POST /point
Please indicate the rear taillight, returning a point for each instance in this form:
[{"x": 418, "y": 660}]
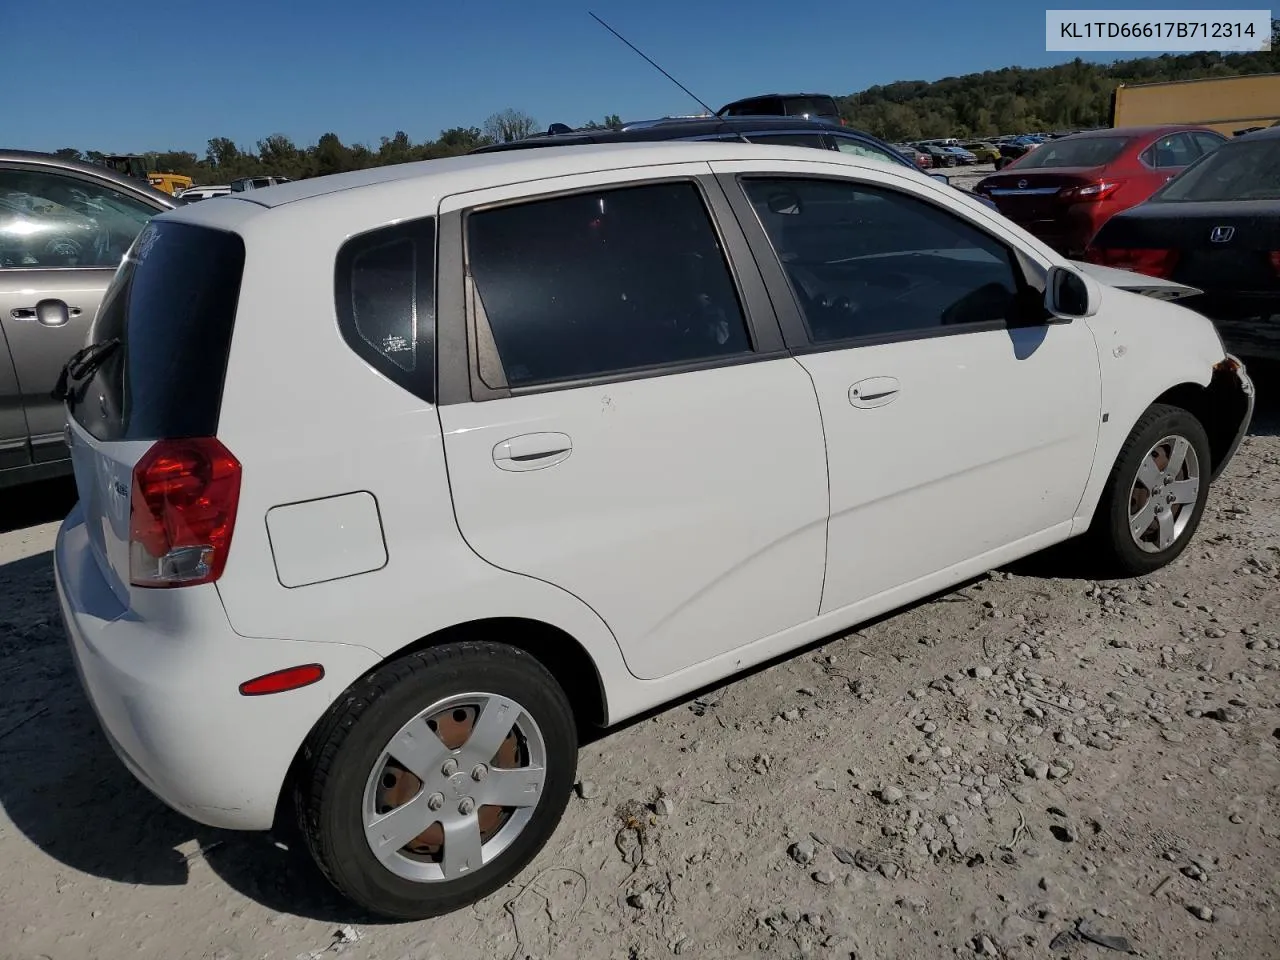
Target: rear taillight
[
  {"x": 1275, "y": 261},
  {"x": 1091, "y": 192},
  {"x": 182, "y": 512},
  {"x": 1152, "y": 263}
]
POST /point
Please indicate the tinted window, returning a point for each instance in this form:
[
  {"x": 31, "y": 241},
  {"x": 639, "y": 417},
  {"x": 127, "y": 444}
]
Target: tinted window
[
  {"x": 1086, "y": 152},
  {"x": 1175, "y": 150},
  {"x": 866, "y": 262},
  {"x": 790, "y": 139},
  {"x": 1207, "y": 142},
  {"x": 385, "y": 292},
  {"x": 53, "y": 220},
  {"x": 755, "y": 108},
  {"x": 860, "y": 148},
  {"x": 812, "y": 107},
  {"x": 172, "y": 305},
  {"x": 1241, "y": 170},
  {"x": 604, "y": 282}
]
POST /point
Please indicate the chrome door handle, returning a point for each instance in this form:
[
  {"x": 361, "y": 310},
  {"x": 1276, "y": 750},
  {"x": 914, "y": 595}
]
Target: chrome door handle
[
  {"x": 48, "y": 313},
  {"x": 532, "y": 451},
  {"x": 874, "y": 392}
]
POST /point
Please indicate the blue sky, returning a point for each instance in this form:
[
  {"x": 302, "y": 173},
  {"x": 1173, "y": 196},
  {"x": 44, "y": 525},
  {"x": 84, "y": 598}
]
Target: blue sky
[{"x": 168, "y": 75}]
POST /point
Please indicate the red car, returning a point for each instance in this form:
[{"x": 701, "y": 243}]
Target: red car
[{"x": 1066, "y": 189}]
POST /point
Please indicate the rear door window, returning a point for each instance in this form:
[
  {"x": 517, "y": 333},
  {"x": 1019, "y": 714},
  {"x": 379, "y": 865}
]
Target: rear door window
[
  {"x": 612, "y": 281},
  {"x": 1175, "y": 150},
  {"x": 171, "y": 307}
]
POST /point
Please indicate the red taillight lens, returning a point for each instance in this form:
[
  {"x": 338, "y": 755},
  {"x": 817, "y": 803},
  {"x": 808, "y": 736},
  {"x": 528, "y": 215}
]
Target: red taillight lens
[
  {"x": 282, "y": 680},
  {"x": 182, "y": 512},
  {"x": 1091, "y": 192},
  {"x": 1153, "y": 263},
  {"x": 1275, "y": 260}
]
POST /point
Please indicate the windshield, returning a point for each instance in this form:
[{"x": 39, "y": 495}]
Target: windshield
[
  {"x": 1086, "y": 152},
  {"x": 1243, "y": 170}
]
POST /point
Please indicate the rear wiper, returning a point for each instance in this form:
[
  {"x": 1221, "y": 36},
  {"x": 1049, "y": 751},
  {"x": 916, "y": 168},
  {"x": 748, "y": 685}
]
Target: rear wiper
[{"x": 82, "y": 364}]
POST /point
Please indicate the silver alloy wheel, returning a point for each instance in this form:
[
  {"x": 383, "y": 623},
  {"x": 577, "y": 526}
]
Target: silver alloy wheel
[
  {"x": 454, "y": 787},
  {"x": 1164, "y": 493}
]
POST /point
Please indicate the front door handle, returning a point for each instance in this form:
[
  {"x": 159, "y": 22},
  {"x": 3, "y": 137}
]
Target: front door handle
[
  {"x": 874, "y": 392},
  {"x": 532, "y": 451}
]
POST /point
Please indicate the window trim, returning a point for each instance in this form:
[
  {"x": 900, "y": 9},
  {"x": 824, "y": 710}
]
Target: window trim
[
  {"x": 1028, "y": 276},
  {"x": 78, "y": 175},
  {"x": 422, "y": 380},
  {"x": 465, "y": 341}
]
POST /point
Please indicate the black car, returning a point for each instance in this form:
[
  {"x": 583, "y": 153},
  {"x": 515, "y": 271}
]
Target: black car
[
  {"x": 807, "y": 106},
  {"x": 788, "y": 131},
  {"x": 1215, "y": 227}
]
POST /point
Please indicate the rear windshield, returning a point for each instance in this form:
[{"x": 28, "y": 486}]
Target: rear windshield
[
  {"x": 172, "y": 306},
  {"x": 812, "y": 106},
  {"x": 1243, "y": 170},
  {"x": 1086, "y": 152}
]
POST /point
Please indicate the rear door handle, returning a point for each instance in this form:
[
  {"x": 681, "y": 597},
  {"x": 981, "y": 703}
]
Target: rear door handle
[
  {"x": 532, "y": 451},
  {"x": 874, "y": 392},
  {"x": 50, "y": 313}
]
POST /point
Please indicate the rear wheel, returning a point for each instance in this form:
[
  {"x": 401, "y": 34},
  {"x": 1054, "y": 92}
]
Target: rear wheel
[
  {"x": 436, "y": 779},
  {"x": 1156, "y": 493}
]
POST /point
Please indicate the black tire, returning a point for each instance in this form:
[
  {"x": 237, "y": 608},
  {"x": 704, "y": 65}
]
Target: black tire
[
  {"x": 1114, "y": 549},
  {"x": 339, "y": 756}
]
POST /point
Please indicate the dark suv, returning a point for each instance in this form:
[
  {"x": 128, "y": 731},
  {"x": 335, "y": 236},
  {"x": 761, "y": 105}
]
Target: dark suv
[
  {"x": 808, "y": 106},
  {"x": 788, "y": 131}
]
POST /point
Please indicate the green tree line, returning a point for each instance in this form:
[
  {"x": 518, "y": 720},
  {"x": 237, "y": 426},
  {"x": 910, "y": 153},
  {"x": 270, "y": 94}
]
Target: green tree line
[{"x": 1071, "y": 96}]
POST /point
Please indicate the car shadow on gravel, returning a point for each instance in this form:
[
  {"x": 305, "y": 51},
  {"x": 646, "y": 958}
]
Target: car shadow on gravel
[{"x": 64, "y": 790}]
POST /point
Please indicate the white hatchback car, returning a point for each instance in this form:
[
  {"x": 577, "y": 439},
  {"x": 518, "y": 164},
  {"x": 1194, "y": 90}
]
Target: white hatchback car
[{"x": 391, "y": 480}]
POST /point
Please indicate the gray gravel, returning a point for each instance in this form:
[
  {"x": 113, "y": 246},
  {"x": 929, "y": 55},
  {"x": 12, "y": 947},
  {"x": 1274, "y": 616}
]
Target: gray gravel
[{"x": 1082, "y": 793}]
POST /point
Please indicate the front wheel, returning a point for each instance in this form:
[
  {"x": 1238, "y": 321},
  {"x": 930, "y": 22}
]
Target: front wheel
[
  {"x": 437, "y": 778},
  {"x": 1156, "y": 493}
]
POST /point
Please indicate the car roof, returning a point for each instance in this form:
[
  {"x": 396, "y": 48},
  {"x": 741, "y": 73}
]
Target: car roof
[
  {"x": 479, "y": 171},
  {"x": 678, "y": 128},
  {"x": 91, "y": 169},
  {"x": 1153, "y": 130}
]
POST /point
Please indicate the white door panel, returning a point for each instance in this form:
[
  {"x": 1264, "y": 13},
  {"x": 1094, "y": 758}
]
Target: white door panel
[
  {"x": 981, "y": 439},
  {"x": 689, "y": 511}
]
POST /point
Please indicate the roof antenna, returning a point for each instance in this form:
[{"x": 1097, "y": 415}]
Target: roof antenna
[{"x": 691, "y": 94}]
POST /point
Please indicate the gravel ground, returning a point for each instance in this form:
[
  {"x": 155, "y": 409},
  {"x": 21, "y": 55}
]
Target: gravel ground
[{"x": 1028, "y": 767}]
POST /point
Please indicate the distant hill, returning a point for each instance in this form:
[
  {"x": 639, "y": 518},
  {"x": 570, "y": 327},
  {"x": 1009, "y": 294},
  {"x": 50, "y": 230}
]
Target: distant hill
[{"x": 1073, "y": 96}]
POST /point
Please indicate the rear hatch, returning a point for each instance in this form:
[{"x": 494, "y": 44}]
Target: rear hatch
[
  {"x": 153, "y": 370},
  {"x": 1028, "y": 196}
]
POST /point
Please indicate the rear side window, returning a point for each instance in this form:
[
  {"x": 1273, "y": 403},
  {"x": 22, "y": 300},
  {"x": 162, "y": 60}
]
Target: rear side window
[
  {"x": 172, "y": 307},
  {"x": 385, "y": 292},
  {"x": 601, "y": 283}
]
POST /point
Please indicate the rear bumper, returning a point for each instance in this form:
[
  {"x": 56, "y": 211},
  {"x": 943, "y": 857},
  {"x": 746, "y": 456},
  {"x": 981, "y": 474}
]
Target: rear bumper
[{"x": 166, "y": 692}]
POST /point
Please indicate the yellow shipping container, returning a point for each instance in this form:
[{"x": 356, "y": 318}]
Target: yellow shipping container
[{"x": 1226, "y": 104}]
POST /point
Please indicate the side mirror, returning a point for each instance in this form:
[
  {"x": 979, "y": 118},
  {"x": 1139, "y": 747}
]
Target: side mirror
[
  {"x": 941, "y": 176},
  {"x": 1069, "y": 295}
]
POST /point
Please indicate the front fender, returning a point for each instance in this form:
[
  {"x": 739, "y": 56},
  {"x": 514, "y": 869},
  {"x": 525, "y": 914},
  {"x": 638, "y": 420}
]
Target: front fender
[{"x": 1146, "y": 348}]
